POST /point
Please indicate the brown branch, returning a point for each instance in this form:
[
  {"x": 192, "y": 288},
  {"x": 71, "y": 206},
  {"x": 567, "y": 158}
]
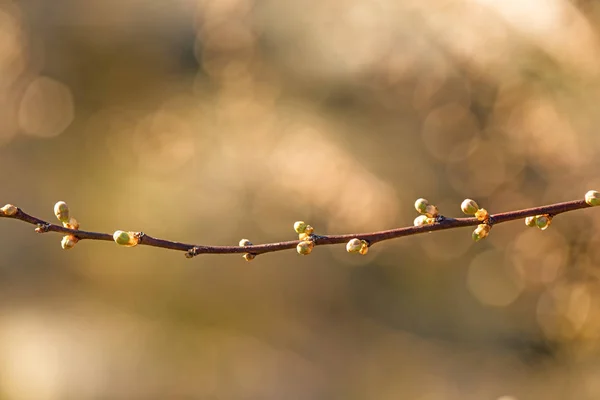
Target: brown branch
[{"x": 442, "y": 223}]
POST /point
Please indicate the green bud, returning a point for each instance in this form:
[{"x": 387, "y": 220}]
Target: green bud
[
  {"x": 592, "y": 198},
  {"x": 68, "y": 242},
  {"x": 305, "y": 247},
  {"x": 421, "y": 205},
  {"x": 469, "y": 207},
  {"x": 421, "y": 220},
  {"x": 61, "y": 210},
  {"x": 125, "y": 238},
  {"x": 245, "y": 242},
  {"x": 543, "y": 221},
  {"x": 300, "y": 226},
  {"x": 530, "y": 222},
  {"x": 481, "y": 232},
  {"x": 354, "y": 246}
]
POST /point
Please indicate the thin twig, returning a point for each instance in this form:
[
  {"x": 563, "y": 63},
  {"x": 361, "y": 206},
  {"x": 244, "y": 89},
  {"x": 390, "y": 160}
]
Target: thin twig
[{"x": 442, "y": 223}]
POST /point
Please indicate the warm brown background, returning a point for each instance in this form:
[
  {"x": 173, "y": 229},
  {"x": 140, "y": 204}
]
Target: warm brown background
[{"x": 211, "y": 120}]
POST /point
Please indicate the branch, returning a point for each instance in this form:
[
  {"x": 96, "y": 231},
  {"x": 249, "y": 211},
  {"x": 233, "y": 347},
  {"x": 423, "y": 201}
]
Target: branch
[{"x": 434, "y": 222}]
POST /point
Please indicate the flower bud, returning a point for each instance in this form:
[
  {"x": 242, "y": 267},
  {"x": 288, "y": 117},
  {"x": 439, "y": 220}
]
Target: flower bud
[
  {"x": 309, "y": 230},
  {"x": 249, "y": 256},
  {"x": 72, "y": 224},
  {"x": 354, "y": 245},
  {"x": 421, "y": 205},
  {"x": 128, "y": 239},
  {"x": 469, "y": 206},
  {"x": 304, "y": 236},
  {"x": 61, "y": 210},
  {"x": 481, "y": 232},
  {"x": 68, "y": 242},
  {"x": 482, "y": 214},
  {"x": 245, "y": 242},
  {"x": 592, "y": 198},
  {"x": 300, "y": 226},
  {"x": 530, "y": 222},
  {"x": 9, "y": 210},
  {"x": 305, "y": 247},
  {"x": 421, "y": 220},
  {"x": 543, "y": 221}
]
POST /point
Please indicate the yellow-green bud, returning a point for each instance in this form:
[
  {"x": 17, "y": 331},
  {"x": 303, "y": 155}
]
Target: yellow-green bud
[
  {"x": 9, "y": 210},
  {"x": 61, "y": 210},
  {"x": 469, "y": 206},
  {"x": 305, "y": 247},
  {"x": 354, "y": 246},
  {"x": 300, "y": 226},
  {"x": 245, "y": 242},
  {"x": 481, "y": 232},
  {"x": 68, "y": 242},
  {"x": 592, "y": 198},
  {"x": 421, "y": 205},
  {"x": 309, "y": 230},
  {"x": 421, "y": 220},
  {"x": 123, "y": 238},
  {"x": 482, "y": 214},
  {"x": 530, "y": 222},
  {"x": 249, "y": 257},
  {"x": 543, "y": 221}
]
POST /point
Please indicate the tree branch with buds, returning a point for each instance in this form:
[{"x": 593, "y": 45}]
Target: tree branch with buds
[{"x": 429, "y": 220}]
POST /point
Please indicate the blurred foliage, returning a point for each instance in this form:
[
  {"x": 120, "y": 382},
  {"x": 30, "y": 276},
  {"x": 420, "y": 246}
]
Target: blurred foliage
[{"x": 211, "y": 120}]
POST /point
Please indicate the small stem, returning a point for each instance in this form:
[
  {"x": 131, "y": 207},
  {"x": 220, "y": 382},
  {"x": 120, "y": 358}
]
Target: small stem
[{"x": 371, "y": 237}]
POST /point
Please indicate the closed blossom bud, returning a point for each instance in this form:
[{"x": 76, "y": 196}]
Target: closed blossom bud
[
  {"x": 482, "y": 214},
  {"x": 249, "y": 257},
  {"x": 469, "y": 206},
  {"x": 9, "y": 210},
  {"x": 354, "y": 246},
  {"x": 421, "y": 205},
  {"x": 300, "y": 226},
  {"x": 305, "y": 247},
  {"x": 72, "y": 224},
  {"x": 592, "y": 198},
  {"x": 309, "y": 230},
  {"x": 543, "y": 221},
  {"x": 128, "y": 239},
  {"x": 68, "y": 242},
  {"x": 530, "y": 222},
  {"x": 481, "y": 232},
  {"x": 421, "y": 220},
  {"x": 245, "y": 242},
  {"x": 61, "y": 210}
]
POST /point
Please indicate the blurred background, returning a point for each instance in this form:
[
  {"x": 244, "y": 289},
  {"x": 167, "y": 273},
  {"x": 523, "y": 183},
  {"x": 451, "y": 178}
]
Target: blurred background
[{"x": 207, "y": 121}]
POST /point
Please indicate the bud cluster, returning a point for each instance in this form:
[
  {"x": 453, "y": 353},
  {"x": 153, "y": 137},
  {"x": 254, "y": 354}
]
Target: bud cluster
[
  {"x": 540, "y": 221},
  {"x": 62, "y": 213},
  {"x": 357, "y": 246},
  {"x": 247, "y": 256},
  {"x": 304, "y": 232},
  {"x": 470, "y": 207}
]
